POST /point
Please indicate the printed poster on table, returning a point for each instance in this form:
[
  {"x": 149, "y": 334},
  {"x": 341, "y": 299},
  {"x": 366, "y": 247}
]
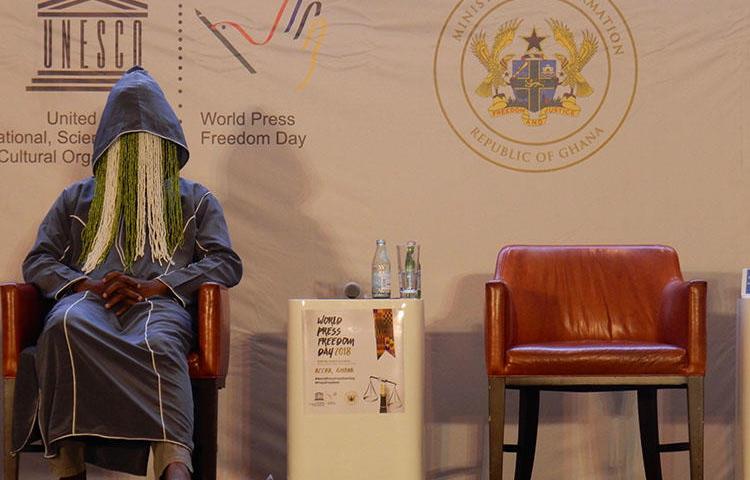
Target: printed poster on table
[{"x": 354, "y": 361}]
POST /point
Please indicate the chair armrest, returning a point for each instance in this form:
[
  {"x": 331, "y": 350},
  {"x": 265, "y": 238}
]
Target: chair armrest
[
  {"x": 496, "y": 320},
  {"x": 22, "y": 309},
  {"x": 683, "y": 320},
  {"x": 212, "y": 359}
]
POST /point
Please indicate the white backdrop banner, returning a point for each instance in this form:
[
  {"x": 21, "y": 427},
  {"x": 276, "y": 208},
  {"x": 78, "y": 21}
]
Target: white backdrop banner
[{"x": 463, "y": 124}]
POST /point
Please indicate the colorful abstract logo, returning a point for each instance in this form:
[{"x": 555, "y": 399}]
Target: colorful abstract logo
[{"x": 304, "y": 22}]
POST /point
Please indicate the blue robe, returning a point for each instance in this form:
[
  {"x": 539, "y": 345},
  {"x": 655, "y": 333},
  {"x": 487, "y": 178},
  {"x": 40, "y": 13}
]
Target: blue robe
[
  {"x": 120, "y": 378},
  {"x": 118, "y": 383}
]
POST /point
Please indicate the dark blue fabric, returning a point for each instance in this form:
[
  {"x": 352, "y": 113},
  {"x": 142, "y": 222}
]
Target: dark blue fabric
[
  {"x": 137, "y": 104},
  {"x": 119, "y": 383},
  {"x": 126, "y": 378}
]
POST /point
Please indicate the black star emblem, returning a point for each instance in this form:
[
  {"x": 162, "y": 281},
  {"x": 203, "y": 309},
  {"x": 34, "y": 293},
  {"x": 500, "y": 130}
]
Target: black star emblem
[{"x": 534, "y": 40}]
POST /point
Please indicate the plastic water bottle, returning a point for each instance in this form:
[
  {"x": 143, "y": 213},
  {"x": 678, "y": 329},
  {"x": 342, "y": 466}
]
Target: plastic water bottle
[{"x": 381, "y": 272}]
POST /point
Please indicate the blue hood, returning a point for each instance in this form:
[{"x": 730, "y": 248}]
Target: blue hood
[{"x": 136, "y": 103}]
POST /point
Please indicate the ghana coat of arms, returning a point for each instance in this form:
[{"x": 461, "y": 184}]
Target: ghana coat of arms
[{"x": 530, "y": 84}]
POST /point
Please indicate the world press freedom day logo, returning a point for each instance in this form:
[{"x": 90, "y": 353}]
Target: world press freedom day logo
[
  {"x": 303, "y": 18},
  {"x": 87, "y": 44},
  {"x": 535, "y": 85}
]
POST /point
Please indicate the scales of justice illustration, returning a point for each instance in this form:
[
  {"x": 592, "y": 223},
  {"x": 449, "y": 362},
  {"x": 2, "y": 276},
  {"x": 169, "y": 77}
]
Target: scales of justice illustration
[{"x": 390, "y": 388}]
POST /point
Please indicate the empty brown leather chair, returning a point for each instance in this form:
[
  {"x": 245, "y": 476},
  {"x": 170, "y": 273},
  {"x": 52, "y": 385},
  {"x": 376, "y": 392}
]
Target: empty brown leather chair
[
  {"x": 22, "y": 318},
  {"x": 593, "y": 318}
]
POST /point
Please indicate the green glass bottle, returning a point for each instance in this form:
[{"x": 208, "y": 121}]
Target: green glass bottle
[{"x": 409, "y": 287}]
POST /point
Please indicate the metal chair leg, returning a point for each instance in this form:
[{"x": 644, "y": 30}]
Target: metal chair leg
[
  {"x": 528, "y": 422},
  {"x": 648, "y": 421},
  {"x": 695, "y": 426},
  {"x": 10, "y": 462},
  {"x": 497, "y": 426}
]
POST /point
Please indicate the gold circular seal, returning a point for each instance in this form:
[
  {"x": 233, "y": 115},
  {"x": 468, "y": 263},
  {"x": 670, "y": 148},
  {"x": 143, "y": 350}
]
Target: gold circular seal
[{"x": 535, "y": 85}]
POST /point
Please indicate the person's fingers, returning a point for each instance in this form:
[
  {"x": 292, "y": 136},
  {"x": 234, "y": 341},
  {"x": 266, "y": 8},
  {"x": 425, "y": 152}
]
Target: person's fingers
[
  {"x": 115, "y": 277},
  {"x": 115, "y": 300},
  {"x": 111, "y": 288},
  {"x": 129, "y": 280},
  {"x": 132, "y": 294},
  {"x": 111, "y": 276},
  {"x": 119, "y": 287},
  {"x": 128, "y": 293}
]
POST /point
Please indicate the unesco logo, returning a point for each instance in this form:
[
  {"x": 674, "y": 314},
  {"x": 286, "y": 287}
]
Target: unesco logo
[
  {"x": 87, "y": 44},
  {"x": 535, "y": 85}
]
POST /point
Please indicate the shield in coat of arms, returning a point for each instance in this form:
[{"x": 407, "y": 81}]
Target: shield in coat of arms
[{"x": 534, "y": 82}]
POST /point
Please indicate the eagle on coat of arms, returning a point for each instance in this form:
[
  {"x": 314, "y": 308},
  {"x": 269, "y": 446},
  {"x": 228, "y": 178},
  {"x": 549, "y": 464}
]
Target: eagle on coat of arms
[
  {"x": 497, "y": 66},
  {"x": 579, "y": 57}
]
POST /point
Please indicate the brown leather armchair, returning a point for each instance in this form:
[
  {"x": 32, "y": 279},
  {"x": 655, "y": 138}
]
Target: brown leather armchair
[
  {"x": 593, "y": 318},
  {"x": 22, "y": 319}
]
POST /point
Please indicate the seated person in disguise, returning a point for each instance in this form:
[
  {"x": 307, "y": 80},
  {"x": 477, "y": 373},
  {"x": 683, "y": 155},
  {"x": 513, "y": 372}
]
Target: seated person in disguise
[{"x": 122, "y": 253}]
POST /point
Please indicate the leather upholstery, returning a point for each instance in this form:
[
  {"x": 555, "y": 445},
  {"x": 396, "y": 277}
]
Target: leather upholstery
[
  {"x": 594, "y": 358},
  {"x": 593, "y": 310},
  {"x": 22, "y": 308},
  {"x": 211, "y": 360},
  {"x": 22, "y": 318}
]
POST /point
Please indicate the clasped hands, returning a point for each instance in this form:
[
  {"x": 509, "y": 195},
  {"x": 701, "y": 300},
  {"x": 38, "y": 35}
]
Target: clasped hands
[{"x": 121, "y": 291}]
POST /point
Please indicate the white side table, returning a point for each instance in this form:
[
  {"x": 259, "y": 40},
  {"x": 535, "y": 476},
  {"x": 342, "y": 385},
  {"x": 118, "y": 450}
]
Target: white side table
[{"x": 335, "y": 445}]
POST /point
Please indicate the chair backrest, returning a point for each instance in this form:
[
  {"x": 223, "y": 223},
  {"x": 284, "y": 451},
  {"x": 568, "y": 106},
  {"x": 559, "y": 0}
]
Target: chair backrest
[{"x": 578, "y": 293}]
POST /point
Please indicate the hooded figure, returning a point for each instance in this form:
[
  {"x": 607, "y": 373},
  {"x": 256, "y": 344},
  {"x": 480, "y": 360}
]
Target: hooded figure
[{"x": 122, "y": 254}]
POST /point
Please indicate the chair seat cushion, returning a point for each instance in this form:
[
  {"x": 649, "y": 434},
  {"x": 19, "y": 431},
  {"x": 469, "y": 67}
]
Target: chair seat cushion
[{"x": 596, "y": 358}]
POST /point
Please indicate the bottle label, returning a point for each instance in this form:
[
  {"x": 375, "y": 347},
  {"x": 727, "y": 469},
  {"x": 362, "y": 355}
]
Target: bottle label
[{"x": 381, "y": 284}]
